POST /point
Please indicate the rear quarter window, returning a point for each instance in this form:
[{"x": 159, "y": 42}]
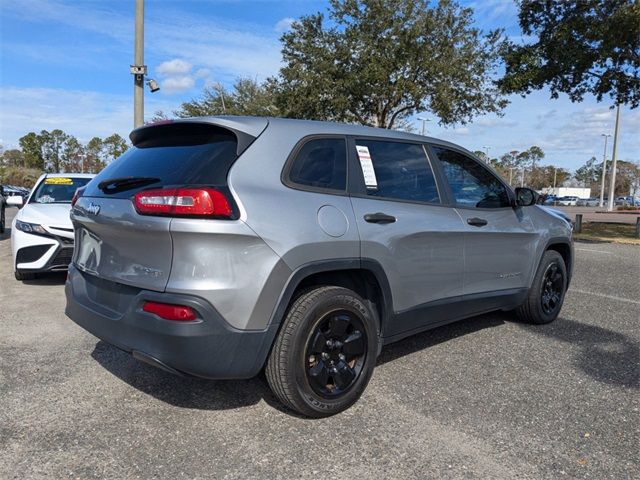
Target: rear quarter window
[{"x": 320, "y": 163}]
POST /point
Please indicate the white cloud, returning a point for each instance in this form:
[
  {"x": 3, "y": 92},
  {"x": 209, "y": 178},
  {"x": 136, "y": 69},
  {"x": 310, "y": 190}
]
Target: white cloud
[
  {"x": 202, "y": 73},
  {"x": 174, "y": 67},
  {"x": 177, "y": 84},
  {"x": 284, "y": 24},
  {"x": 84, "y": 114}
]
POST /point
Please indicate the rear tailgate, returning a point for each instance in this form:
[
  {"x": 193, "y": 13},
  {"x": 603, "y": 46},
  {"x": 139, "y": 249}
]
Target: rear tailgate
[{"x": 114, "y": 241}]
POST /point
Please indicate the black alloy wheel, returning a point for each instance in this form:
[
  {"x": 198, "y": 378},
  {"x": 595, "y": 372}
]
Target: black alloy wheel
[
  {"x": 552, "y": 289},
  {"x": 336, "y": 353}
]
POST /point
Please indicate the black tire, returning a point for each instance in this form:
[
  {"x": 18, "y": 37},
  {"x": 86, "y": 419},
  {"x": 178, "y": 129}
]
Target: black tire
[
  {"x": 547, "y": 292},
  {"x": 342, "y": 323},
  {"x": 2, "y": 219},
  {"x": 21, "y": 276}
]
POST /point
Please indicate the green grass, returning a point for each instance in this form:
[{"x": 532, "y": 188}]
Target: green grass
[{"x": 608, "y": 232}]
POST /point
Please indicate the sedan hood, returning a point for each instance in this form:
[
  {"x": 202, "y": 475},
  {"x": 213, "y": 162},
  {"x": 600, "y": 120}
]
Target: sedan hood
[{"x": 47, "y": 214}]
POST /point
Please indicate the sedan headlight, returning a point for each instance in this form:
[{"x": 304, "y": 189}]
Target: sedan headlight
[{"x": 30, "y": 228}]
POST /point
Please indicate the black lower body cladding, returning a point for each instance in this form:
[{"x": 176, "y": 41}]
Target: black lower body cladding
[{"x": 208, "y": 348}]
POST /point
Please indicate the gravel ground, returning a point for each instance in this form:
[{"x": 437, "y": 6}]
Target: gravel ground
[{"x": 484, "y": 398}]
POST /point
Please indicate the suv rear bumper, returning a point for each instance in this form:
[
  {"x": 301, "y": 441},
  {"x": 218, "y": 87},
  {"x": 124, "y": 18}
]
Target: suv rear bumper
[{"x": 208, "y": 347}]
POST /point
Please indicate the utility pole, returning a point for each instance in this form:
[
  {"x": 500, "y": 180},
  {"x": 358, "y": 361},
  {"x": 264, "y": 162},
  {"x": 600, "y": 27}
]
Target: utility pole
[
  {"x": 614, "y": 159},
  {"x": 424, "y": 121},
  {"x": 139, "y": 69},
  {"x": 555, "y": 171},
  {"x": 522, "y": 178},
  {"x": 604, "y": 168},
  {"x": 486, "y": 151},
  {"x": 511, "y": 175}
]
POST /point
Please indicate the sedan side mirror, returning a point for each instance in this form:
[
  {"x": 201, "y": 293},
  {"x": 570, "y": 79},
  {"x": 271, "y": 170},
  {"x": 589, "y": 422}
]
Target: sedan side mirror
[
  {"x": 525, "y": 197},
  {"x": 15, "y": 201}
]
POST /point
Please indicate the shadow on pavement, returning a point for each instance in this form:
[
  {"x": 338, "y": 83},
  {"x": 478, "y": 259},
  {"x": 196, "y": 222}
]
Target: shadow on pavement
[
  {"x": 6, "y": 235},
  {"x": 442, "y": 334},
  {"x": 607, "y": 356},
  {"x": 184, "y": 392}
]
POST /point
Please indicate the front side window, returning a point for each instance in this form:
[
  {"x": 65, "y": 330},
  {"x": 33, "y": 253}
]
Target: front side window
[
  {"x": 321, "y": 163},
  {"x": 472, "y": 185},
  {"x": 397, "y": 170}
]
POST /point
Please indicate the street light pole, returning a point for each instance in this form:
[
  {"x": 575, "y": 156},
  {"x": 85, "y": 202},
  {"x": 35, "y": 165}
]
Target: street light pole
[
  {"x": 139, "y": 70},
  {"x": 614, "y": 159},
  {"x": 604, "y": 168},
  {"x": 424, "y": 121}
]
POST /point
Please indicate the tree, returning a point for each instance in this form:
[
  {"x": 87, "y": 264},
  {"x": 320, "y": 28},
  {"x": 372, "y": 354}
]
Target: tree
[
  {"x": 94, "y": 155},
  {"x": 589, "y": 174},
  {"x": 31, "y": 145},
  {"x": 581, "y": 47},
  {"x": 114, "y": 146},
  {"x": 247, "y": 97},
  {"x": 378, "y": 62},
  {"x": 52, "y": 147},
  {"x": 12, "y": 158},
  {"x": 627, "y": 178},
  {"x": 73, "y": 156}
]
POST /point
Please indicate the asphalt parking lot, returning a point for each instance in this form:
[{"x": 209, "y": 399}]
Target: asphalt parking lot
[{"x": 484, "y": 398}]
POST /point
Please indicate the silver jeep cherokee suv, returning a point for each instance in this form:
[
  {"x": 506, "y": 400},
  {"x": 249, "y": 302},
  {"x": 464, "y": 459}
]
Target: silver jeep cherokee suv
[{"x": 221, "y": 246}]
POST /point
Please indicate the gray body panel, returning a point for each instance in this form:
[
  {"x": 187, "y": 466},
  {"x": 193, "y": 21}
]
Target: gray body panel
[
  {"x": 432, "y": 266},
  {"x": 422, "y": 252}
]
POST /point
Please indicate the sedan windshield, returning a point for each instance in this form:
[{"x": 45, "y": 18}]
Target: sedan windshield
[{"x": 57, "y": 189}]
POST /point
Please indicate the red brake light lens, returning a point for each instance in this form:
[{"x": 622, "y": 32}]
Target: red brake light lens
[
  {"x": 206, "y": 202},
  {"x": 77, "y": 195},
  {"x": 168, "y": 311}
]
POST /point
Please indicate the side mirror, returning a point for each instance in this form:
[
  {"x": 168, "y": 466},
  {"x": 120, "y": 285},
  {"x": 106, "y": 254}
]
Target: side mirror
[
  {"x": 15, "y": 201},
  {"x": 525, "y": 197}
]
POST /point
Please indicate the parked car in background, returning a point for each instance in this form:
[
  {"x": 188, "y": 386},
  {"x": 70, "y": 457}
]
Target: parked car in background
[
  {"x": 588, "y": 202},
  {"x": 3, "y": 205},
  {"x": 567, "y": 201},
  {"x": 550, "y": 200},
  {"x": 221, "y": 246},
  {"x": 41, "y": 232}
]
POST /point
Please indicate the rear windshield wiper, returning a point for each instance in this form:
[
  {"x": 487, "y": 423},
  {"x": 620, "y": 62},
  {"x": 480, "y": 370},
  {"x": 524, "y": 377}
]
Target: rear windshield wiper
[{"x": 114, "y": 185}]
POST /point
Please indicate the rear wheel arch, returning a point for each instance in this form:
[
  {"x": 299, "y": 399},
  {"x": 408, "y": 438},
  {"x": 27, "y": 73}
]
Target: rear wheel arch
[{"x": 366, "y": 277}]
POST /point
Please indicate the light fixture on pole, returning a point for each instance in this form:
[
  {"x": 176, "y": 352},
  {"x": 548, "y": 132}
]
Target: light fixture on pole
[
  {"x": 424, "y": 120},
  {"x": 604, "y": 168}
]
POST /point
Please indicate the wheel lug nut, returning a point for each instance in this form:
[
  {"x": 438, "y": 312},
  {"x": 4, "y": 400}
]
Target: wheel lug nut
[{"x": 341, "y": 356}]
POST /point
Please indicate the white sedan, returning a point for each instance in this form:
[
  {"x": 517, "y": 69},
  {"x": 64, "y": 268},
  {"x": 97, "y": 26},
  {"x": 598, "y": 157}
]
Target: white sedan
[{"x": 41, "y": 232}]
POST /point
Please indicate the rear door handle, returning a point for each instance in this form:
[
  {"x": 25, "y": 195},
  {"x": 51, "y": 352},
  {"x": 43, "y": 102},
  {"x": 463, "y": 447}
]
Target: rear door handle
[
  {"x": 379, "y": 218},
  {"x": 477, "y": 222}
]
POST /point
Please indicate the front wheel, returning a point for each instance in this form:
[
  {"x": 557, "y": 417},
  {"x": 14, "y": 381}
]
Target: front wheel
[
  {"x": 325, "y": 353},
  {"x": 547, "y": 292}
]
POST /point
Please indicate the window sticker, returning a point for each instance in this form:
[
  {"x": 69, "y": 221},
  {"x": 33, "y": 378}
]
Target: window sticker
[
  {"x": 367, "y": 167},
  {"x": 58, "y": 181}
]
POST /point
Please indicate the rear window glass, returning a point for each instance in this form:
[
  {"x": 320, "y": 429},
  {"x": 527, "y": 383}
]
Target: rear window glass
[
  {"x": 174, "y": 159},
  {"x": 321, "y": 163},
  {"x": 57, "y": 189}
]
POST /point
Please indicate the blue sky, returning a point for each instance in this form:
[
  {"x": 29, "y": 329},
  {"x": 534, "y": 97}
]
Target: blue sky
[{"x": 65, "y": 64}]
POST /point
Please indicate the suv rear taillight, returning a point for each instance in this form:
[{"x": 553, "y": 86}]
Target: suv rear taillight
[
  {"x": 199, "y": 202},
  {"x": 77, "y": 195}
]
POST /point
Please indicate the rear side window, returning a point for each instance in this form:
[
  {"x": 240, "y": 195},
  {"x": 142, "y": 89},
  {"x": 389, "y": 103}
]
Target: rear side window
[
  {"x": 187, "y": 154},
  {"x": 397, "y": 170},
  {"x": 472, "y": 185},
  {"x": 321, "y": 163}
]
